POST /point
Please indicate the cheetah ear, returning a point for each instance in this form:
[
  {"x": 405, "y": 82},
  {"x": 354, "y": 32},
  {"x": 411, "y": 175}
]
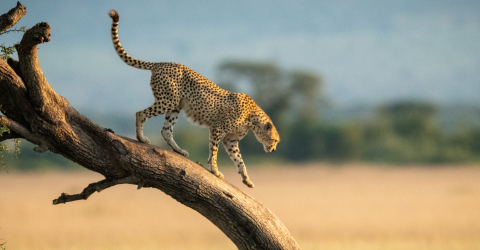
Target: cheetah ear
[{"x": 268, "y": 126}]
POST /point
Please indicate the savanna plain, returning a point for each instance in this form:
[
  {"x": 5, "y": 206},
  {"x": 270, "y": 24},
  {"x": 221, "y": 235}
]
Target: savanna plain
[{"x": 350, "y": 206}]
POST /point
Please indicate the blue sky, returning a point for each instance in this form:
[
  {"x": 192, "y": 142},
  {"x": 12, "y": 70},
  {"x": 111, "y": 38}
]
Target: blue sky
[{"x": 367, "y": 51}]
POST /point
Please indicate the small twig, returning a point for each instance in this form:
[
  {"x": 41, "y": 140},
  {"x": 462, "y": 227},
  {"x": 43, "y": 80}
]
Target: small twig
[
  {"x": 95, "y": 187},
  {"x": 22, "y": 29}
]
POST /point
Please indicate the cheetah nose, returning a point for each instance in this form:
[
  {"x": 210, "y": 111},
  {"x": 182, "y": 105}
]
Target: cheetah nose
[{"x": 273, "y": 150}]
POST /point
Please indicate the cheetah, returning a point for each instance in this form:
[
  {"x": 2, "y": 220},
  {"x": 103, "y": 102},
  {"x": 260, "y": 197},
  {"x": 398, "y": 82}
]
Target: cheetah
[{"x": 229, "y": 115}]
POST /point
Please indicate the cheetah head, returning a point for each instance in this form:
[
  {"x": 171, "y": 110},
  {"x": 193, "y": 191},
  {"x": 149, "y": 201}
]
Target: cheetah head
[{"x": 268, "y": 136}]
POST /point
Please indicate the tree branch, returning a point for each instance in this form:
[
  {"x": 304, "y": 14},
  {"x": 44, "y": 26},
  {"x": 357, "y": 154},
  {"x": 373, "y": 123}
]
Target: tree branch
[
  {"x": 41, "y": 94},
  {"x": 11, "y": 135},
  {"x": 15, "y": 65},
  {"x": 13, "y": 96},
  {"x": 11, "y": 18},
  {"x": 19, "y": 131},
  {"x": 94, "y": 187}
]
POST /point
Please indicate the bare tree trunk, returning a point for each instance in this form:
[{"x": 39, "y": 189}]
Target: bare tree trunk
[{"x": 34, "y": 111}]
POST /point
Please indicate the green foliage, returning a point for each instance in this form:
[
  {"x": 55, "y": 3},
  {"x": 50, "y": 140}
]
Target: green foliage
[
  {"x": 410, "y": 119},
  {"x": 7, "y": 51},
  {"x": 3, "y": 129}
]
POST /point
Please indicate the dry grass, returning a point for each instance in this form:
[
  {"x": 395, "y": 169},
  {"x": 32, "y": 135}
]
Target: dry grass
[{"x": 341, "y": 207}]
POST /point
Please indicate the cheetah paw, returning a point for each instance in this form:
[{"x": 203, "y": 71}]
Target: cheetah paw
[
  {"x": 219, "y": 175},
  {"x": 248, "y": 183},
  {"x": 181, "y": 152},
  {"x": 143, "y": 139}
]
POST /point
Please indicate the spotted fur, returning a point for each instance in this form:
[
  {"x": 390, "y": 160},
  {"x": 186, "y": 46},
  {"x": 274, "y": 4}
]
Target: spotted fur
[{"x": 228, "y": 115}]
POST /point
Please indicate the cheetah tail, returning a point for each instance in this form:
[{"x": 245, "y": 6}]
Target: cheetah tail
[{"x": 119, "y": 49}]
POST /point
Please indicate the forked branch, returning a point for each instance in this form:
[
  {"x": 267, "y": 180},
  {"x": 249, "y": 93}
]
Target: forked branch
[{"x": 94, "y": 187}]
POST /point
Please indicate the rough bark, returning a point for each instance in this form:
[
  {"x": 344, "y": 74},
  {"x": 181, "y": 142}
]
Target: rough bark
[
  {"x": 34, "y": 111},
  {"x": 10, "y": 18}
]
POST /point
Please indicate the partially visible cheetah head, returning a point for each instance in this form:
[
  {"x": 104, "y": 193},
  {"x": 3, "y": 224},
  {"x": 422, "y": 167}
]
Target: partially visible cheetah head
[{"x": 268, "y": 136}]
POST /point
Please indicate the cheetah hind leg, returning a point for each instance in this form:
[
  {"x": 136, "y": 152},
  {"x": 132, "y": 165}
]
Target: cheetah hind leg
[
  {"x": 167, "y": 131},
  {"x": 141, "y": 118}
]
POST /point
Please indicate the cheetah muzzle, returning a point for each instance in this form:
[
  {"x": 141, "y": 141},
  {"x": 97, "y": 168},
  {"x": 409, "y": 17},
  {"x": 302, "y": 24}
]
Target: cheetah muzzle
[{"x": 229, "y": 115}]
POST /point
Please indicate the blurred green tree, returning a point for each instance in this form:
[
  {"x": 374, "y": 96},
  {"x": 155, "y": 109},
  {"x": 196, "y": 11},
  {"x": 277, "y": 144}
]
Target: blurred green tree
[
  {"x": 404, "y": 131},
  {"x": 411, "y": 119}
]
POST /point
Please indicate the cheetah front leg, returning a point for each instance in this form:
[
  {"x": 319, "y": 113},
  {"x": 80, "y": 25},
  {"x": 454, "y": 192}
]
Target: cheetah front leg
[
  {"x": 230, "y": 142},
  {"x": 214, "y": 140},
  {"x": 167, "y": 131}
]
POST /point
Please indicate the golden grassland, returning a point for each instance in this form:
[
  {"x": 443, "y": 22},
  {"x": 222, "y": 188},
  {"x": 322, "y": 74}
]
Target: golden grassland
[{"x": 323, "y": 206}]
